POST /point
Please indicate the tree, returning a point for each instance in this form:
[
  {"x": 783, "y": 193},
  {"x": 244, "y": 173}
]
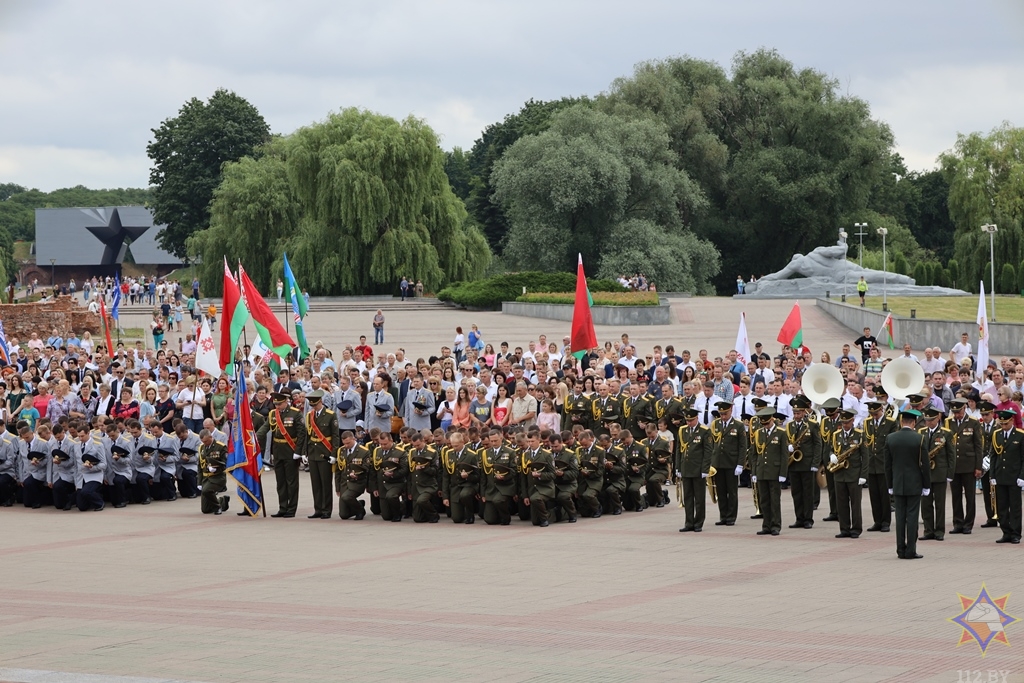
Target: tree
[
  {"x": 358, "y": 201},
  {"x": 188, "y": 153},
  {"x": 460, "y": 177},
  {"x": 581, "y": 185},
  {"x": 899, "y": 264},
  {"x": 1020, "y": 276},
  {"x": 921, "y": 274},
  {"x": 929, "y": 219},
  {"x": 1008, "y": 279},
  {"x": 954, "y": 272}
]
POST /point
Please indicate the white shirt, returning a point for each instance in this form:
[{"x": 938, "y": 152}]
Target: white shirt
[
  {"x": 850, "y": 402},
  {"x": 705, "y": 417},
  {"x": 192, "y": 412},
  {"x": 768, "y": 374},
  {"x": 961, "y": 351},
  {"x": 743, "y": 404},
  {"x": 932, "y": 366},
  {"x": 781, "y": 404},
  {"x": 628, "y": 362}
]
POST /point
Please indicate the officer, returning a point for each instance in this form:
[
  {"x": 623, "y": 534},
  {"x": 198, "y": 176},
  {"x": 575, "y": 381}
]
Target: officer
[
  {"x": 35, "y": 467},
  {"x": 188, "y": 462},
  {"x": 942, "y": 456},
  {"x": 92, "y": 463},
  {"x": 566, "y": 466},
  {"x": 987, "y": 414},
  {"x": 636, "y": 411},
  {"x": 423, "y": 480},
  {"x": 728, "y": 453},
  {"x": 391, "y": 478},
  {"x": 849, "y": 457},
  {"x": 804, "y": 460},
  {"x": 633, "y": 457},
  {"x": 287, "y": 444},
  {"x": 1007, "y": 475},
  {"x": 537, "y": 487},
  {"x": 591, "y": 480},
  {"x": 350, "y": 478},
  {"x": 460, "y": 480},
  {"x": 9, "y": 466},
  {"x": 579, "y": 408},
  {"x": 213, "y": 458},
  {"x": 908, "y": 477},
  {"x": 877, "y": 428},
  {"x": 322, "y": 447},
  {"x": 769, "y": 464},
  {"x": 692, "y": 464},
  {"x": 829, "y": 425},
  {"x": 659, "y": 465},
  {"x": 614, "y": 476},
  {"x": 967, "y": 445},
  {"x": 63, "y": 470},
  {"x": 498, "y": 481}
]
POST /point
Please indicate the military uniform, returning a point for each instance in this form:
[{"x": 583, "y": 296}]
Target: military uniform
[
  {"x": 1007, "y": 468},
  {"x": 498, "y": 485},
  {"x": 729, "y": 452},
  {"x": 614, "y": 480},
  {"x": 829, "y": 425},
  {"x": 322, "y": 447},
  {"x": 988, "y": 426},
  {"x": 392, "y": 482},
  {"x": 287, "y": 439},
  {"x": 423, "y": 484},
  {"x": 566, "y": 483},
  {"x": 849, "y": 447},
  {"x": 938, "y": 445},
  {"x": 91, "y": 459},
  {"x": 805, "y": 439},
  {"x": 659, "y": 464},
  {"x": 579, "y": 410},
  {"x": 591, "y": 480},
  {"x": 969, "y": 450},
  {"x": 350, "y": 480},
  {"x": 460, "y": 481},
  {"x": 212, "y": 463},
  {"x": 769, "y": 462},
  {"x": 9, "y": 467},
  {"x": 693, "y": 462},
  {"x": 876, "y": 431},
  {"x": 636, "y": 412},
  {"x": 906, "y": 474},
  {"x": 538, "y": 484},
  {"x": 606, "y": 410}
]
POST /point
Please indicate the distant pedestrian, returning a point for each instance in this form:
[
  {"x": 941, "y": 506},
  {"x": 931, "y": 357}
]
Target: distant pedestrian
[
  {"x": 280, "y": 291},
  {"x": 405, "y": 288},
  {"x": 862, "y": 289},
  {"x": 195, "y": 288},
  {"x": 378, "y": 327},
  {"x": 419, "y": 288}
]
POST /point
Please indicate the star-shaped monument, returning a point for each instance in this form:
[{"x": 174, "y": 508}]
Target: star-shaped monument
[
  {"x": 113, "y": 236},
  {"x": 983, "y": 620}
]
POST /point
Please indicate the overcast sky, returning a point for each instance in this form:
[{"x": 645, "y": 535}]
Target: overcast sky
[{"x": 83, "y": 83}]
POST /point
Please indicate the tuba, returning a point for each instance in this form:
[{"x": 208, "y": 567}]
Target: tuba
[
  {"x": 821, "y": 382},
  {"x": 712, "y": 486},
  {"x": 902, "y": 377}
]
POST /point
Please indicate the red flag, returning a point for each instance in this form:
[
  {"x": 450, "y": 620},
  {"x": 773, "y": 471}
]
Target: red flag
[
  {"x": 792, "y": 332},
  {"x": 233, "y": 317},
  {"x": 583, "y": 336},
  {"x": 267, "y": 325},
  {"x": 106, "y": 327}
]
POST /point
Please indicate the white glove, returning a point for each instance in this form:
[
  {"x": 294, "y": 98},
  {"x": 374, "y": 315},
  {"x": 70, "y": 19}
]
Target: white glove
[
  {"x": 1020, "y": 483},
  {"x": 703, "y": 475},
  {"x": 305, "y": 460},
  {"x": 890, "y": 492},
  {"x": 833, "y": 459},
  {"x": 753, "y": 479},
  {"x": 926, "y": 492},
  {"x": 296, "y": 456},
  {"x": 212, "y": 468},
  {"x": 861, "y": 481},
  {"x": 985, "y": 463},
  {"x": 782, "y": 480},
  {"x": 332, "y": 460},
  {"x": 949, "y": 481},
  {"x": 678, "y": 474},
  {"x": 992, "y": 481},
  {"x": 790, "y": 448},
  {"x": 814, "y": 469},
  {"x": 739, "y": 470}
]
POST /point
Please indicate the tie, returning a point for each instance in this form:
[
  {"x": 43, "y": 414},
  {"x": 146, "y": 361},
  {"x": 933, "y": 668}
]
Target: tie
[
  {"x": 744, "y": 410},
  {"x": 776, "y": 403},
  {"x": 707, "y": 406}
]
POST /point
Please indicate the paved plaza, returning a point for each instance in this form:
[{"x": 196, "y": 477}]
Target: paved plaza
[{"x": 162, "y": 592}]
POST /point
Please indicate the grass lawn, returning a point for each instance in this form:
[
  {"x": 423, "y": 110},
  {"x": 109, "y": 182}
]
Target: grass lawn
[{"x": 1009, "y": 309}]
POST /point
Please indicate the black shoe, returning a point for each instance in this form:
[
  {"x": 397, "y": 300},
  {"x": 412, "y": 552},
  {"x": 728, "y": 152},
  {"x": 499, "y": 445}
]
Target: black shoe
[
  {"x": 730, "y": 523},
  {"x": 468, "y": 520},
  {"x": 720, "y": 523},
  {"x": 437, "y": 518},
  {"x": 956, "y": 531},
  {"x": 775, "y": 532},
  {"x": 808, "y": 525},
  {"x": 279, "y": 514},
  {"x": 698, "y": 529},
  {"x": 842, "y": 535},
  {"x": 854, "y": 535},
  {"x": 225, "y": 503},
  {"x": 398, "y": 518},
  {"x": 830, "y": 518},
  {"x": 315, "y": 515},
  {"x": 884, "y": 529},
  {"x": 218, "y": 512},
  {"x": 798, "y": 525},
  {"x": 596, "y": 515},
  {"x": 572, "y": 520},
  {"x": 664, "y": 497},
  {"x": 660, "y": 505},
  {"x": 360, "y": 514},
  {"x": 1004, "y": 539},
  {"x": 927, "y": 537},
  {"x": 939, "y": 538},
  {"x": 990, "y": 524},
  {"x": 618, "y": 511},
  {"x": 544, "y": 523},
  {"x": 757, "y": 516},
  {"x": 686, "y": 528},
  {"x": 763, "y": 532},
  {"x": 874, "y": 527},
  {"x": 1015, "y": 540},
  {"x": 121, "y": 505},
  {"x": 915, "y": 556},
  {"x": 965, "y": 531}
]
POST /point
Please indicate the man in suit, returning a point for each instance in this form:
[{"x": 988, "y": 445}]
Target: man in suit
[
  {"x": 908, "y": 475},
  {"x": 1007, "y": 475},
  {"x": 284, "y": 385}
]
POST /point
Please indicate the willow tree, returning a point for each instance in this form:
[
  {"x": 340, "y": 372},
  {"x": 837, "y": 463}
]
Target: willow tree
[{"x": 358, "y": 201}]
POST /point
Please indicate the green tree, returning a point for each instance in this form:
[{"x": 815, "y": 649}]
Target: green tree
[
  {"x": 986, "y": 185},
  {"x": 899, "y": 264},
  {"x": 921, "y": 274},
  {"x": 460, "y": 177},
  {"x": 1020, "y": 277},
  {"x": 954, "y": 272},
  {"x": 1008, "y": 279},
  {"x": 9, "y": 189},
  {"x": 357, "y": 201},
  {"x": 929, "y": 219},
  {"x": 579, "y": 187},
  {"x": 188, "y": 153}
]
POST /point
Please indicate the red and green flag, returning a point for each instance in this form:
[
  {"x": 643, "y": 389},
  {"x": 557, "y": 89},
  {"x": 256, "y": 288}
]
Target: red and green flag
[
  {"x": 267, "y": 325},
  {"x": 792, "y": 332},
  {"x": 233, "y": 316},
  {"x": 886, "y": 332},
  {"x": 583, "y": 337}
]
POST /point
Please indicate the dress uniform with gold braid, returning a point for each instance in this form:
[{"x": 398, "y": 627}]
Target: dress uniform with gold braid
[
  {"x": 988, "y": 425},
  {"x": 498, "y": 482},
  {"x": 938, "y": 443},
  {"x": 1007, "y": 470},
  {"x": 877, "y": 428},
  {"x": 635, "y": 464},
  {"x": 730, "y": 443},
  {"x": 213, "y": 458},
  {"x": 769, "y": 463},
  {"x": 850, "y": 453},
  {"x": 659, "y": 465},
  {"x": 392, "y": 479},
  {"x": 969, "y": 450},
  {"x": 829, "y": 425},
  {"x": 614, "y": 486},
  {"x": 538, "y": 484},
  {"x": 461, "y": 482},
  {"x": 636, "y": 413},
  {"x": 804, "y": 437},
  {"x": 423, "y": 482},
  {"x": 322, "y": 447},
  {"x": 591, "y": 478},
  {"x": 692, "y": 464},
  {"x": 351, "y": 476},
  {"x": 287, "y": 444}
]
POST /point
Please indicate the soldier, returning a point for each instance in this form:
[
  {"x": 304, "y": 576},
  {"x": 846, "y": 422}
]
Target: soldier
[
  {"x": 419, "y": 405},
  {"x": 769, "y": 463},
  {"x": 567, "y": 471},
  {"x": 9, "y": 466},
  {"x": 729, "y": 452},
  {"x": 166, "y": 461},
  {"x": 877, "y": 428},
  {"x": 35, "y": 467},
  {"x": 350, "y": 477},
  {"x": 142, "y": 460},
  {"x": 692, "y": 465},
  {"x": 498, "y": 483},
  {"x": 213, "y": 458},
  {"x": 119, "y": 471},
  {"x": 636, "y": 411},
  {"x": 659, "y": 465},
  {"x": 92, "y": 463},
  {"x": 537, "y": 487},
  {"x": 188, "y": 460},
  {"x": 348, "y": 405},
  {"x": 63, "y": 469},
  {"x": 829, "y": 426},
  {"x": 606, "y": 409},
  {"x": 460, "y": 480},
  {"x": 579, "y": 408},
  {"x": 287, "y": 444},
  {"x": 907, "y": 476},
  {"x": 393, "y": 478},
  {"x": 938, "y": 443},
  {"x": 630, "y": 454},
  {"x": 322, "y": 448},
  {"x": 804, "y": 460},
  {"x": 614, "y": 476},
  {"x": 988, "y": 425},
  {"x": 591, "y": 480},
  {"x": 1007, "y": 475},
  {"x": 423, "y": 480},
  {"x": 969, "y": 451},
  {"x": 850, "y": 463}
]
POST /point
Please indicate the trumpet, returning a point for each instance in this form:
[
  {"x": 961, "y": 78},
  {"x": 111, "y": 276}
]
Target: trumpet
[{"x": 712, "y": 485}]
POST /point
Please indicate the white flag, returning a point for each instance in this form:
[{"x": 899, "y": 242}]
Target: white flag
[
  {"x": 982, "y": 336},
  {"x": 742, "y": 343},
  {"x": 207, "y": 359}
]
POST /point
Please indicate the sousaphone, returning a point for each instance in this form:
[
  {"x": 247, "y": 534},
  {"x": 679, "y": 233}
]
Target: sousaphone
[
  {"x": 821, "y": 382},
  {"x": 902, "y": 377}
]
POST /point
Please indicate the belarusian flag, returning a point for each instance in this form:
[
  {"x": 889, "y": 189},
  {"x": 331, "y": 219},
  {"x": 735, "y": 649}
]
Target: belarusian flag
[
  {"x": 792, "y": 332},
  {"x": 267, "y": 326},
  {"x": 583, "y": 336},
  {"x": 233, "y": 318},
  {"x": 886, "y": 331}
]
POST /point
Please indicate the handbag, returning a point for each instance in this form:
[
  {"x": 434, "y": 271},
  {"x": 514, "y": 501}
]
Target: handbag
[{"x": 396, "y": 424}]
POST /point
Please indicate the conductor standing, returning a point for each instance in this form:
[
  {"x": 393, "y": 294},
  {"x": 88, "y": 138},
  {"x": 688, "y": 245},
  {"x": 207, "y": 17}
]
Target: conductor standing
[{"x": 908, "y": 475}]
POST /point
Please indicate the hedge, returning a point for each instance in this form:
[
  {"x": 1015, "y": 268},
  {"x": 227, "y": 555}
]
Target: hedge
[
  {"x": 488, "y": 294},
  {"x": 600, "y": 298}
]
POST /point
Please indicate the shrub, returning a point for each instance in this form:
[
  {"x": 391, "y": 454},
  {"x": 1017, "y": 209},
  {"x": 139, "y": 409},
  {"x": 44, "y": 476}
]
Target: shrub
[
  {"x": 1008, "y": 279},
  {"x": 921, "y": 274},
  {"x": 488, "y": 294},
  {"x": 600, "y": 298}
]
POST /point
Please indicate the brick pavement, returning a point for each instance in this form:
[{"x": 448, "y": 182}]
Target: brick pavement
[{"x": 162, "y": 592}]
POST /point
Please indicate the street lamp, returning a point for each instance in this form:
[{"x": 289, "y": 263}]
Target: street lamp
[
  {"x": 53, "y": 280},
  {"x": 861, "y": 227},
  {"x": 843, "y": 235},
  {"x": 991, "y": 229},
  {"x": 885, "y": 301}
]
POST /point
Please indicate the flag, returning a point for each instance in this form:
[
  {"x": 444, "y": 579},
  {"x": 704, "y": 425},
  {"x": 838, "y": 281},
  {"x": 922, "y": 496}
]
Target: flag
[
  {"x": 233, "y": 316},
  {"x": 106, "y": 326},
  {"x": 267, "y": 325},
  {"x": 244, "y": 461},
  {"x": 115, "y": 312},
  {"x": 886, "y": 331},
  {"x": 5, "y": 352},
  {"x": 792, "y": 332},
  {"x": 583, "y": 336},
  {"x": 206, "y": 351},
  {"x": 260, "y": 354},
  {"x": 742, "y": 342},
  {"x": 299, "y": 308},
  {"x": 979, "y": 369}
]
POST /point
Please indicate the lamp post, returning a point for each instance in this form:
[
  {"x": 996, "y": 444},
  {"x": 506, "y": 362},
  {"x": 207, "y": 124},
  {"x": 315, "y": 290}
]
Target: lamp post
[
  {"x": 991, "y": 229},
  {"x": 885, "y": 301},
  {"x": 53, "y": 280},
  {"x": 861, "y": 228},
  {"x": 843, "y": 235}
]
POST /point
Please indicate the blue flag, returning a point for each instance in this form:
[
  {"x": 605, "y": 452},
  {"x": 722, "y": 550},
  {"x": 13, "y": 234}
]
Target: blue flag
[
  {"x": 5, "y": 353},
  {"x": 299, "y": 308},
  {"x": 244, "y": 461},
  {"x": 116, "y": 295}
]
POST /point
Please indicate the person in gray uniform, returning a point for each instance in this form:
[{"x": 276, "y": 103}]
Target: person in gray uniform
[
  {"x": 9, "y": 466},
  {"x": 143, "y": 462},
  {"x": 419, "y": 405},
  {"x": 92, "y": 463},
  {"x": 188, "y": 460},
  {"x": 63, "y": 468},
  {"x": 348, "y": 405},
  {"x": 166, "y": 461},
  {"x": 35, "y": 467}
]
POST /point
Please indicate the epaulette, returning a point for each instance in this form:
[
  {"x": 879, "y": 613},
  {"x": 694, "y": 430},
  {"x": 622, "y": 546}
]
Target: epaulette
[
  {"x": 329, "y": 411},
  {"x": 221, "y": 443}
]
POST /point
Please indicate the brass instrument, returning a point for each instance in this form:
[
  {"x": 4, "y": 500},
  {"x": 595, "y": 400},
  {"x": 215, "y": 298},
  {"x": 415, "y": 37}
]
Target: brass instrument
[
  {"x": 757, "y": 500},
  {"x": 843, "y": 459},
  {"x": 679, "y": 490},
  {"x": 798, "y": 455},
  {"x": 932, "y": 452},
  {"x": 712, "y": 485}
]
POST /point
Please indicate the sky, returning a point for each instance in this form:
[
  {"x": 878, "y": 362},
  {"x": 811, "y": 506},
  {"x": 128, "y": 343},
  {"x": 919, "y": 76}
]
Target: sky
[{"x": 82, "y": 84}]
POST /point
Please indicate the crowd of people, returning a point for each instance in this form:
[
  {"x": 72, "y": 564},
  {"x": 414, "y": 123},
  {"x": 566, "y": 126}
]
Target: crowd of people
[{"x": 529, "y": 431}]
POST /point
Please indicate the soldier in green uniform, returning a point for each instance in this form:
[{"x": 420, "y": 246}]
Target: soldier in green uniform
[
  {"x": 633, "y": 457},
  {"x": 1007, "y": 475},
  {"x": 538, "y": 485},
  {"x": 907, "y": 474},
  {"x": 829, "y": 426},
  {"x": 877, "y": 428},
  {"x": 213, "y": 458},
  {"x": 969, "y": 451},
  {"x": 849, "y": 460},
  {"x": 392, "y": 477},
  {"x": 614, "y": 476},
  {"x": 579, "y": 408},
  {"x": 692, "y": 464},
  {"x": 987, "y": 413},
  {"x": 567, "y": 470},
  {"x": 591, "y": 480},
  {"x": 804, "y": 460},
  {"x": 606, "y": 409},
  {"x": 350, "y": 477},
  {"x": 769, "y": 463},
  {"x": 498, "y": 481},
  {"x": 636, "y": 411},
  {"x": 729, "y": 452},
  {"x": 659, "y": 465},
  {"x": 423, "y": 480},
  {"x": 938, "y": 442},
  {"x": 461, "y": 480},
  {"x": 322, "y": 449},
  {"x": 288, "y": 443}
]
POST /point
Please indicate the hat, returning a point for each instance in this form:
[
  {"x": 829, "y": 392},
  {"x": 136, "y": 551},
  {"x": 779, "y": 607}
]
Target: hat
[
  {"x": 723, "y": 405},
  {"x": 36, "y": 455},
  {"x": 874, "y": 404},
  {"x": 910, "y": 413},
  {"x": 562, "y": 465},
  {"x": 60, "y": 453},
  {"x": 801, "y": 402},
  {"x": 538, "y": 466},
  {"x": 690, "y": 413},
  {"x": 847, "y": 415},
  {"x": 315, "y": 396},
  {"x": 1006, "y": 414},
  {"x": 381, "y": 407},
  {"x": 915, "y": 398},
  {"x": 466, "y": 466},
  {"x": 502, "y": 469},
  {"x": 89, "y": 457},
  {"x": 420, "y": 457},
  {"x": 831, "y": 404},
  {"x": 165, "y": 451},
  {"x": 146, "y": 450},
  {"x": 758, "y": 402},
  {"x": 586, "y": 467},
  {"x": 185, "y": 451},
  {"x": 360, "y": 424},
  {"x": 611, "y": 457},
  {"x": 660, "y": 446},
  {"x": 637, "y": 460},
  {"x": 766, "y": 413},
  {"x": 420, "y": 405},
  {"x": 959, "y": 402},
  {"x": 932, "y": 412},
  {"x": 345, "y": 406},
  {"x": 121, "y": 450},
  {"x": 277, "y": 397},
  {"x": 389, "y": 466},
  {"x": 356, "y": 469},
  {"x": 985, "y": 407},
  {"x": 880, "y": 391}
]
